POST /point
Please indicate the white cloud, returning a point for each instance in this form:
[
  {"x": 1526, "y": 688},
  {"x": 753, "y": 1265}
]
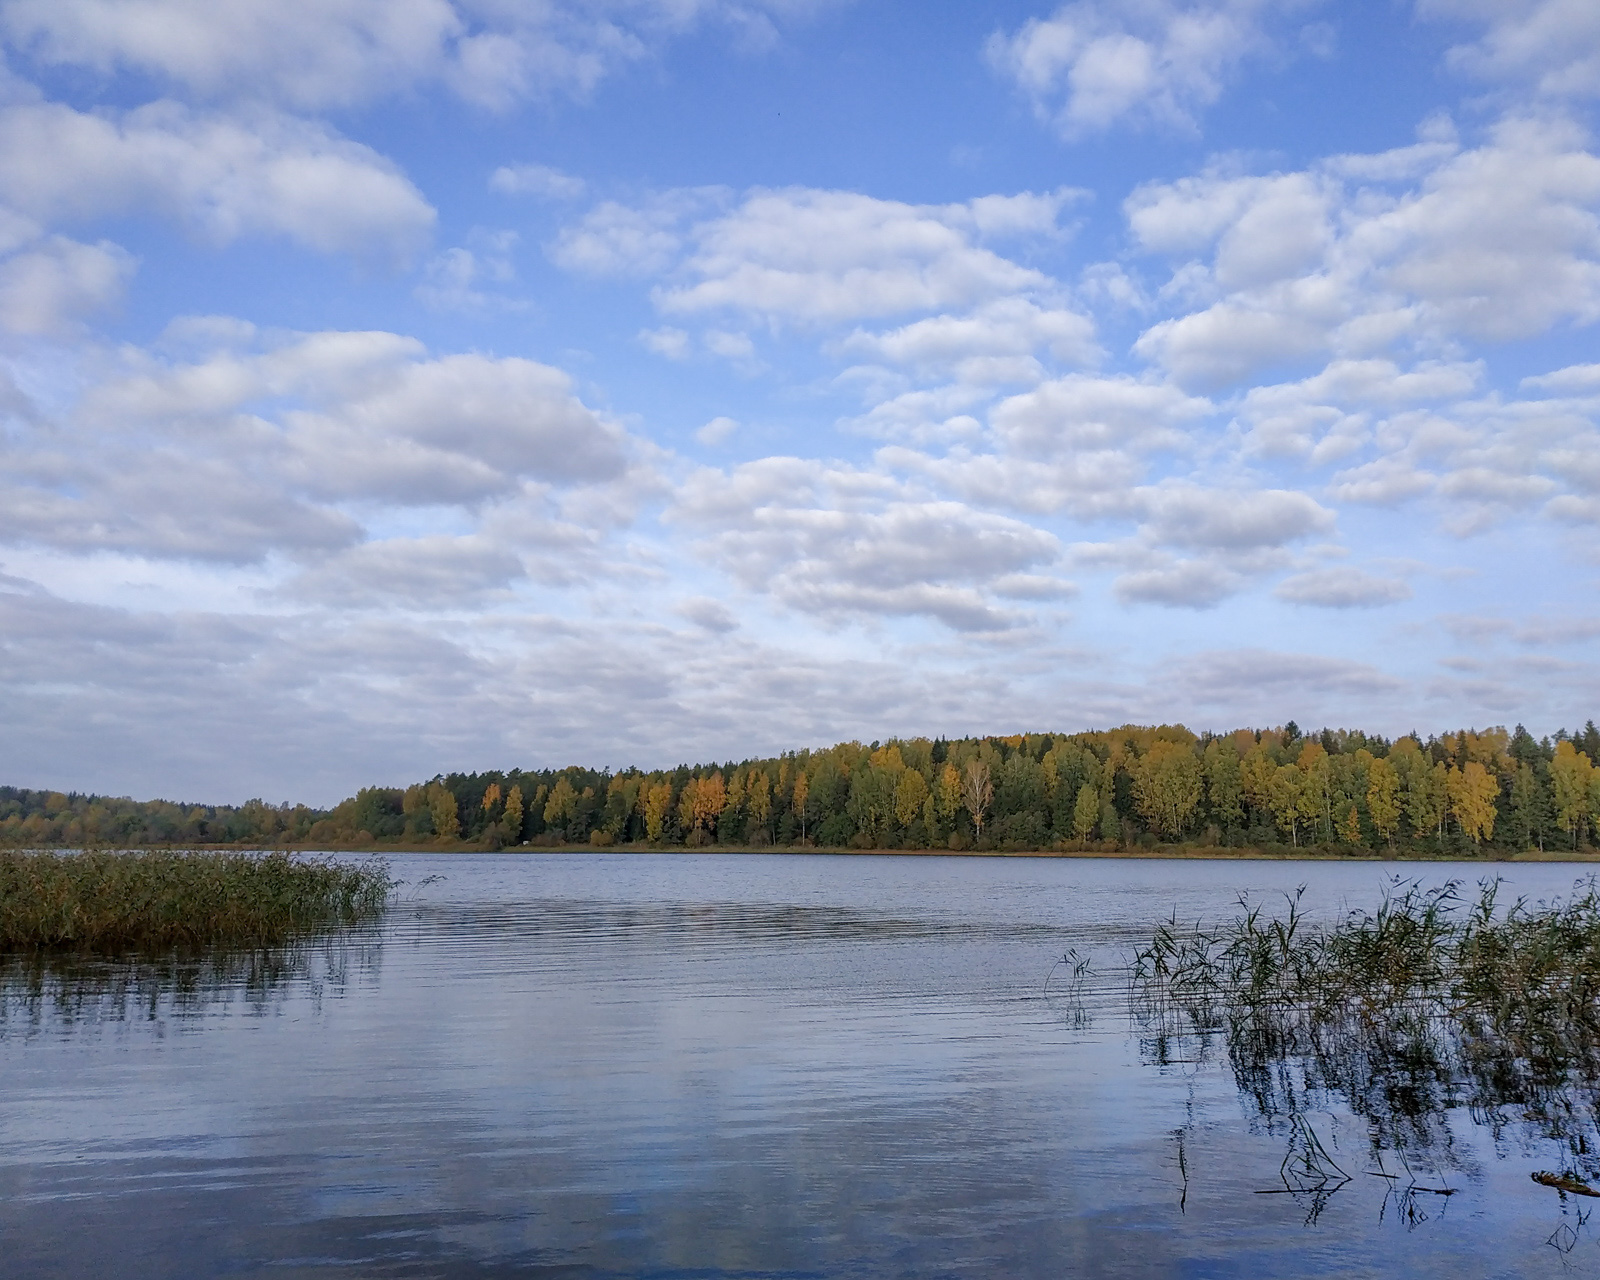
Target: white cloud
[
  {"x": 615, "y": 239},
  {"x": 666, "y": 341},
  {"x": 836, "y": 543},
  {"x": 995, "y": 343},
  {"x": 1498, "y": 242},
  {"x": 1094, "y": 65},
  {"x": 1086, "y": 412},
  {"x": 837, "y": 256},
  {"x": 1577, "y": 379},
  {"x": 56, "y": 282},
  {"x": 1342, "y": 587},
  {"x": 1187, "y": 515},
  {"x": 1186, "y": 584},
  {"x": 1327, "y": 416},
  {"x": 1550, "y": 46},
  {"x": 314, "y": 54},
  {"x": 288, "y": 446},
  {"x": 716, "y": 431},
  {"x": 427, "y": 573},
  {"x": 712, "y": 615},
  {"x": 538, "y": 180},
  {"x": 224, "y": 177}
]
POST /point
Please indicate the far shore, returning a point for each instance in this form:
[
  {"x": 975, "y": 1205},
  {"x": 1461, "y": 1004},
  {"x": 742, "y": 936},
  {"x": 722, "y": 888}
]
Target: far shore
[{"x": 1156, "y": 852}]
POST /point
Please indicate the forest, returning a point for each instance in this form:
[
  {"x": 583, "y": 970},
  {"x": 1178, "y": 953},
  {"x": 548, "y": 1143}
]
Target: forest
[{"x": 1469, "y": 793}]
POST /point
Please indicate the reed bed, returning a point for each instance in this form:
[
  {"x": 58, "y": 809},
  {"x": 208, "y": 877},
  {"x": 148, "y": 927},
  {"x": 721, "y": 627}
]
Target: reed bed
[
  {"x": 103, "y": 902},
  {"x": 1437, "y": 1000}
]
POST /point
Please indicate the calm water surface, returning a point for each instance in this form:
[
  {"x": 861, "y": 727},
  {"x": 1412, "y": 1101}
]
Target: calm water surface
[{"x": 708, "y": 1066}]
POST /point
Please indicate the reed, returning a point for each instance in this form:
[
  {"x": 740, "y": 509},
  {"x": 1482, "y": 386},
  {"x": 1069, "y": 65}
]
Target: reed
[
  {"x": 1434, "y": 1001},
  {"x": 108, "y": 902}
]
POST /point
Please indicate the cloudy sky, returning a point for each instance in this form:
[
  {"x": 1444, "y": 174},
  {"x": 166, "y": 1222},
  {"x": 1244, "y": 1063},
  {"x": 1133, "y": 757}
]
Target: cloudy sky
[{"x": 397, "y": 386}]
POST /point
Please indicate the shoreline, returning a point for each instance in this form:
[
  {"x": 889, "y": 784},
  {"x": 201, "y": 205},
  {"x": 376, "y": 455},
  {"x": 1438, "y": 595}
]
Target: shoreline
[{"x": 1212, "y": 853}]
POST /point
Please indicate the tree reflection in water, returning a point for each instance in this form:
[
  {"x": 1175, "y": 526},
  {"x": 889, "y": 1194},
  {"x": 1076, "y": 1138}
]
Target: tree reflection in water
[{"x": 1435, "y": 1004}]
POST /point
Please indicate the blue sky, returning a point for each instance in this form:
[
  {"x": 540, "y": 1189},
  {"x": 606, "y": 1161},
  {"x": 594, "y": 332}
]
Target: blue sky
[{"x": 401, "y": 387}]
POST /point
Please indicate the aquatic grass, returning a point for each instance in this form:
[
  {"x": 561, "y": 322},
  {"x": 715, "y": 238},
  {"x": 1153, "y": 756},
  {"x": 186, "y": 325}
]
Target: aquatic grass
[
  {"x": 109, "y": 902},
  {"x": 1433, "y": 1001}
]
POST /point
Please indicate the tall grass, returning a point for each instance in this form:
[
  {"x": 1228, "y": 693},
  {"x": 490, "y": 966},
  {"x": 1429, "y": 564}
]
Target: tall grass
[
  {"x": 1434, "y": 1001},
  {"x": 116, "y": 902}
]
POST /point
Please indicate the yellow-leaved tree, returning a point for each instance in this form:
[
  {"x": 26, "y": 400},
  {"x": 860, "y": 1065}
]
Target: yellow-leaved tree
[
  {"x": 1166, "y": 785},
  {"x": 513, "y": 817},
  {"x": 798, "y": 798},
  {"x": 909, "y": 794},
  {"x": 758, "y": 800},
  {"x": 1085, "y": 811},
  {"x": 446, "y": 817},
  {"x": 1571, "y": 772},
  {"x": 1383, "y": 798},
  {"x": 657, "y": 804},
  {"x": 1472, "y": 791}
]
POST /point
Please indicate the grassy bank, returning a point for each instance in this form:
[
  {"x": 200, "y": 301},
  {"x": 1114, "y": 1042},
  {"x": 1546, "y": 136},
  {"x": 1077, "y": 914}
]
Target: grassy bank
[{"x": 108, "y": 902}]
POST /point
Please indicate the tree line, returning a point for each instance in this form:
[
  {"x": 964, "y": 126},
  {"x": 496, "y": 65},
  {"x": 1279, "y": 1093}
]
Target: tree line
[{"x": 1468, "y": 792}]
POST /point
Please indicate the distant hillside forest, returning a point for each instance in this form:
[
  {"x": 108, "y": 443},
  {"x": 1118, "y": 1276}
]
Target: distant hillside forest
[{"x": 1465, "y": 793}]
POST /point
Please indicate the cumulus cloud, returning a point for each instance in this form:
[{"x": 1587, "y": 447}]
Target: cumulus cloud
[
  {"x": 838, "y": 543},
  {"x": 828, "y": 256},
  {"x": 538, "y": 180},
  {"x": 1187, "y": 515},
  {"x": 993, "y": 344},
  {"x": 286, "y": 446},
  {"x": 615, "y": 239},
  {"x": 1191, "y": 584},
  {"x": 54, "y": 283},
  {"x": 716, "y": 431},
  {"x": 1549, "y": 46},
  {"x": 818, "y": 257},
  {"x": 221, "y": 176},
  {"x": 314, "y": 54},
  {"x": 1343, "y": 587},
  {"x": 1330, "y": 415},
  {"x": 1491, "y": 243},
  {"x": 1082, "y": 412},
  {"x": 712, "y": 615},
  {"x": 1094, "y": 65}
]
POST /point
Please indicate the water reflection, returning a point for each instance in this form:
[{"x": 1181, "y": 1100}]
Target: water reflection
[
  {"x": 717, "y": 1067},
  {"x": 62, "y": 992}
]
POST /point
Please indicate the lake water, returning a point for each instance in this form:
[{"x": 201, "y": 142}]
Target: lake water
[{"x": 717, "y": 1066}]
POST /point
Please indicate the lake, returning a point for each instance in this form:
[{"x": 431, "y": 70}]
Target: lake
[{"x": 730, "y": 1065}]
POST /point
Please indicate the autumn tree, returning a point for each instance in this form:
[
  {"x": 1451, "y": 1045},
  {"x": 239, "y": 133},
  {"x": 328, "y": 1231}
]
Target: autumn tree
[
  {"x": 491, "y": 797},
  {"x": 442, "y": 805},
  {"x": 1472, "y": 791},
  {"x": 1085, "y": 811},
  {"x": 1224, "y": 784},
  {"x": 513, "y": 814},
  {"x": 910, "y": 794},
  {"x": 1167, "y": 785},
  {"x": 657, "y": 805},
  {"x": 977, "y": 792},
  {"x": 758, "y": 801},
  {"x": 1570, "y": 775},
  {"x": 947, "y": 795},
  {"x": 1383, "y": 798},
  {"x": 798, "y": 798},
  {"x": 699, "y": 806},
  {"x": 561, "y": 806}
]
